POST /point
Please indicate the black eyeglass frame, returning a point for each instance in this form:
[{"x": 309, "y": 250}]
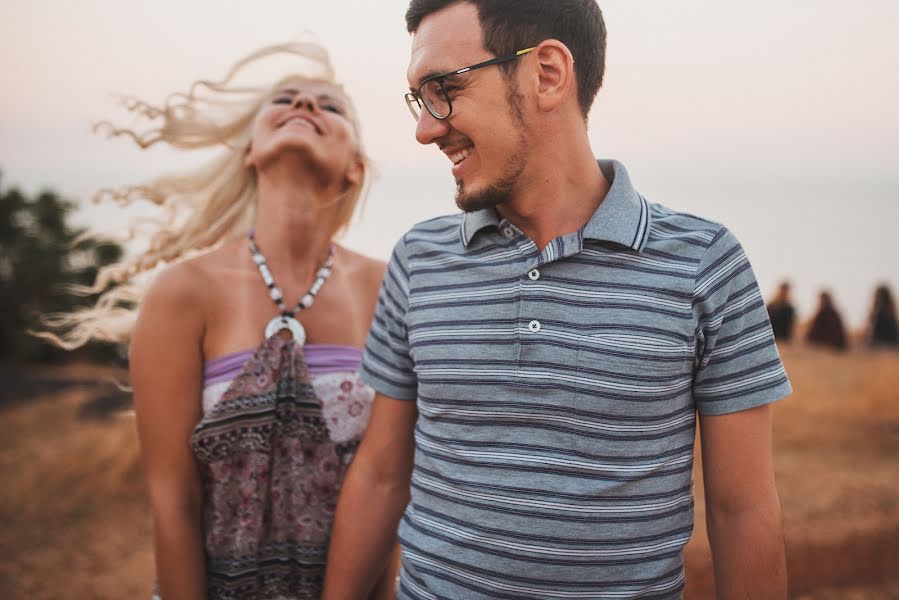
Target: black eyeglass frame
[{"x": 419, "y": 100}]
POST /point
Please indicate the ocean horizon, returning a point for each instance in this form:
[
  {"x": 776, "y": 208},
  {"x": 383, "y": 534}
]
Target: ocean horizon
[{"x": 831, "y": 233}]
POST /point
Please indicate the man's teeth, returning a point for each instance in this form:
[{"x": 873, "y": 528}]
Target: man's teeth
[{"x": 460, "y": 156}]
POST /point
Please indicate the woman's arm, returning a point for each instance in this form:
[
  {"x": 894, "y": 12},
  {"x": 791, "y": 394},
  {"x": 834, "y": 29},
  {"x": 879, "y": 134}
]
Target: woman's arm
[{"x": 166, "y": 373}]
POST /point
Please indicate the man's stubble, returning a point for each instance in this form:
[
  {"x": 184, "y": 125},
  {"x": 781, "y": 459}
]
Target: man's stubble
[{"x": 499, "y": 192}]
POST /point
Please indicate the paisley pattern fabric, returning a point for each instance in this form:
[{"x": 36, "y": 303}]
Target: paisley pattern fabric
[{"x": 272, "y": 456}]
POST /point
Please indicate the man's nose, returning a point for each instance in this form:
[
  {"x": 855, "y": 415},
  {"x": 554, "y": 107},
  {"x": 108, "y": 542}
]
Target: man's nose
[{"x": 429, "y": 129}]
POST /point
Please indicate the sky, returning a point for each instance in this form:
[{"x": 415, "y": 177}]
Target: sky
[{"x": 776, "y": 118}]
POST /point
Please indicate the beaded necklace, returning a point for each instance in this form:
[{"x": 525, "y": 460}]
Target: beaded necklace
[{"x": 287, "y": 318}]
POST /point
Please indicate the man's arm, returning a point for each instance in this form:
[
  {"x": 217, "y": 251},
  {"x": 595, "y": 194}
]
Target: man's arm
[
  {"x": 372, "y": 500},
  {"x": 742, "y": 507}
]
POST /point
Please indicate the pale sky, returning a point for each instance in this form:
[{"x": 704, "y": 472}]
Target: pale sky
[{"x": 778, "y": 118}]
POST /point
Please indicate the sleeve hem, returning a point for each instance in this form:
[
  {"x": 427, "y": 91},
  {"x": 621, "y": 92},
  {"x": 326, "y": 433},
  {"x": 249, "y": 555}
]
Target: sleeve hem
[
  {"x": 732, "y": 405},
  {"x": 397, "y": 392}
]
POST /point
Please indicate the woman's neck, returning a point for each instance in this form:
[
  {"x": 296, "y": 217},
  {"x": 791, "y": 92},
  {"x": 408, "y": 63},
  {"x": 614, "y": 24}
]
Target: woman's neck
[{"x": 295, "y": 222}]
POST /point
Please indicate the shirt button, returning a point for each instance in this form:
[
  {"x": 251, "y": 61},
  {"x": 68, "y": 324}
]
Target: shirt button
[
  {"x": 534, "y": 275},
  {"x": 508, "y": 232},
  {"x": 534, "y": 326}
]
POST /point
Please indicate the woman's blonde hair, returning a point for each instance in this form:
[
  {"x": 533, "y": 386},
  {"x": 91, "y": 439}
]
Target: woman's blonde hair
[{"x": 201, "y": 208}]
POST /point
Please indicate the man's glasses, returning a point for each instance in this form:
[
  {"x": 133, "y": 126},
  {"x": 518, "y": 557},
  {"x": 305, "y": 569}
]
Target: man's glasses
[{"x": 434, "y": 96}]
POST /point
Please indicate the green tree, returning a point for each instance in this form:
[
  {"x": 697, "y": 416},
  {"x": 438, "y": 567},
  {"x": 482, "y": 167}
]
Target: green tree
[{"x": 40, "y": 256}]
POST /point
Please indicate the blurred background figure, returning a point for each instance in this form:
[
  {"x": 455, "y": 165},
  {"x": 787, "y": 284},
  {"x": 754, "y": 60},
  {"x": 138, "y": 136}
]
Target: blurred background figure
[
  {"x": 827, "y": 325},
  {"x": 882, "y": 328},
  {"x": 781, "y": 313}
]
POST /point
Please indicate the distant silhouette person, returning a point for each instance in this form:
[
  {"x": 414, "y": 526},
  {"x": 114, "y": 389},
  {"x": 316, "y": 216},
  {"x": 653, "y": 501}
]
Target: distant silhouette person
[
  {"x": 882, "y": 328},
  {"x": 827, "y": 326},
  {"x": 781, "y": 313}
]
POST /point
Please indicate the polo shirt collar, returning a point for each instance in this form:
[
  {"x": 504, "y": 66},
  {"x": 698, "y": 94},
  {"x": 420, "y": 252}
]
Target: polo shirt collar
[
  {"x": 622, "y": 217},
  {"x": 476, "y": 221}
]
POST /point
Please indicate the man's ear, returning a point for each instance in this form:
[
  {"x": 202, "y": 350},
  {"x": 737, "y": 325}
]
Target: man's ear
[{"x": 555, "y": 74}]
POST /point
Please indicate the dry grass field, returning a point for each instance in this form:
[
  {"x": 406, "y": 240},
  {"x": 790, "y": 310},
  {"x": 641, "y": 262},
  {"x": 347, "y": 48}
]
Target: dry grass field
[{"x": 75, "y": 522}]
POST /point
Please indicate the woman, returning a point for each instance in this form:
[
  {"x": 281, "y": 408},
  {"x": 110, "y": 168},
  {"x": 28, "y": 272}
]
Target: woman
[
  {"x": 827, "y": 328},
  {"x": 883, "y": 331},
  {"x": 243, "y": 358}
]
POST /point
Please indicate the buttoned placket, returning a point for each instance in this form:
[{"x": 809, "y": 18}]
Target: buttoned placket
[
  {"x": 510, "y": 233},
  {"x": 534, "y": 326},
  {"x": 534, "y": 314}
]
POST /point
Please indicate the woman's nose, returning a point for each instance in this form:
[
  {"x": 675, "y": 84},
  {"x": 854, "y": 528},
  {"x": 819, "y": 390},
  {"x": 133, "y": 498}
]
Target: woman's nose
[{"x": 305, "y": 100}]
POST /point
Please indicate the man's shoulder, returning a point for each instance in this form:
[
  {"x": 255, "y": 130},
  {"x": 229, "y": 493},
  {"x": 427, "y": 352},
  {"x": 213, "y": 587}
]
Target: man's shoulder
[
  {"x": 439, "y": 224},
  {"x": 433, "y": 235},
  {"x": 668, "y": 225},
  {"x": 441, "y": 230},
  {"x": 667, "y": 217}
]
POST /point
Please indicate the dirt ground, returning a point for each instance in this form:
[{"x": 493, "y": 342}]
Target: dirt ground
[{"x": 76, "y": 524}]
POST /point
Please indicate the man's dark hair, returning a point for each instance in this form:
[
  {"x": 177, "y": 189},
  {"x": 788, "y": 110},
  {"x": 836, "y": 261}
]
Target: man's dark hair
[{"x": 511, "y": 25}]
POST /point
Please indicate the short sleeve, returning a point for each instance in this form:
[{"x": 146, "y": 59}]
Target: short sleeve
[
  {"x": 737, "y": 364},
  {"x": 387, "y": 365}
]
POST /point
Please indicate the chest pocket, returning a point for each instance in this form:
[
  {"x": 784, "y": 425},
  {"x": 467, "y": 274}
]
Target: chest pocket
[{"x": 633, "y": 367}]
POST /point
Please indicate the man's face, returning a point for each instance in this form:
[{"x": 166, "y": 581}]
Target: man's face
[{"x": 485, "y": 137}]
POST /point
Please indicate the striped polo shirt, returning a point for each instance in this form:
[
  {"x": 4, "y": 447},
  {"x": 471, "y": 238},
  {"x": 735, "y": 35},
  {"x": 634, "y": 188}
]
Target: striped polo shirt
[{"x": 557, "y": 391}]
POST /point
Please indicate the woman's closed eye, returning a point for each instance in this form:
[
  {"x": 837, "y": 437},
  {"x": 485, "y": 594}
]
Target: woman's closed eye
[
  {"x": 324, "y": 103},
  {"x": 333, "y": 107}
]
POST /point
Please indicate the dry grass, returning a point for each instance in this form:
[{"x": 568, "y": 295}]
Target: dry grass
[
  {"x": 839, "y": 452},
  {"x": 76, "y": 522},
  {"x": 836, "y": 446}
]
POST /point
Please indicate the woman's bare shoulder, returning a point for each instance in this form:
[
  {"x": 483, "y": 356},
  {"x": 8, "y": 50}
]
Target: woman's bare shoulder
[
  {"x": 364, "y": 268},
  {"x": 189, "y": 284},
  {"x": 181, "y": 283}
]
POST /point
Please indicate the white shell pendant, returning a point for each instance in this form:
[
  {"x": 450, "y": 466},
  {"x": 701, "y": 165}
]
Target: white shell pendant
[
  {"x": 286, "y": 320},
  {"x": 289, "y": 323}
]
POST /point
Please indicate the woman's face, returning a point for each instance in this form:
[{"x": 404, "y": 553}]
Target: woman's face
[{"x": 310, "y": 121}]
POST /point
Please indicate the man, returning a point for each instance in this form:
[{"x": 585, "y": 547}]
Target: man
[{"x": 540, "y": 359}]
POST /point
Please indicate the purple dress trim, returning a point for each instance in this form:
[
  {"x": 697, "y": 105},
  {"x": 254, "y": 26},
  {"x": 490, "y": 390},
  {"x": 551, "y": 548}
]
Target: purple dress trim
[{"x": 320, "y": 358}]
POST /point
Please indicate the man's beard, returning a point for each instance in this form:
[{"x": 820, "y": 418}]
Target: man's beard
[
  {"x": 493, "y": 195},
  {"x": 501, "y": 191}
]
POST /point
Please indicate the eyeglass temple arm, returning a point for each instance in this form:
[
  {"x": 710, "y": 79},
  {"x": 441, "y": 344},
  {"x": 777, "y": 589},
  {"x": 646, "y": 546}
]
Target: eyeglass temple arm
[{"x": 493, "y": 61}]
